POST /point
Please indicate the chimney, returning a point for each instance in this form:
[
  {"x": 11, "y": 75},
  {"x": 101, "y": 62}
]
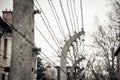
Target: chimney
[{"x": 7, "y": 16}]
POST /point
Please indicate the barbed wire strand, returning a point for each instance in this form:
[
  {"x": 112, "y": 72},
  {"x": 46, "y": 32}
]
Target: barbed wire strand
[
  {"x": 64, "y": 17},
  {"x": 52, "y": 63},
  {"x": 55, "y": 14},
  {"x": 47, "y": 41},
  {"x": 57, "y": 17},
  {"x": 51, "y": 33},
  {"x": 81, "y": 7},
  {"x": 30, "y": 42},
  {"x": 76, "y": 16},
  {"x": 72, "y": 15}
]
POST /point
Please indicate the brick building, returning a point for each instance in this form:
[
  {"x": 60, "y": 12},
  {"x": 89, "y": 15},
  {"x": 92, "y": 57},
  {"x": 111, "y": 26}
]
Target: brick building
[
  {"x": 5, "y": 44},
  {"x": 117, "y": 54}
]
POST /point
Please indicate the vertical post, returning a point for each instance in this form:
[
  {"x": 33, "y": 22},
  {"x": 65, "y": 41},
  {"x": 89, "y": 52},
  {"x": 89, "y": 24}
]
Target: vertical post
[
  {"x": 21, "y": 59},
  {"x": 63, "y": 75}
]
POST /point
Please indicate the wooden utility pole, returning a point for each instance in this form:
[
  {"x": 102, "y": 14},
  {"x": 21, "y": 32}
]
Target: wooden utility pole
[
  {"x": 21, "y": 61},
  {"x": 63, "y": 73}
]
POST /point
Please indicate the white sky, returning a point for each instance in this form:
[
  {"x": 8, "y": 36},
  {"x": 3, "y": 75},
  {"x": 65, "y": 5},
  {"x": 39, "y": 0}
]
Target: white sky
[{"x": 91, "y": 8}]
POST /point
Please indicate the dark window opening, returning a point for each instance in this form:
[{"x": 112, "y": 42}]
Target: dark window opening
[
  {"x": 3, "y": 76},
  {"x": 118, "y": 63},
  {"x": 0, "y": 47},
  {"x": 5, "y": 48}
]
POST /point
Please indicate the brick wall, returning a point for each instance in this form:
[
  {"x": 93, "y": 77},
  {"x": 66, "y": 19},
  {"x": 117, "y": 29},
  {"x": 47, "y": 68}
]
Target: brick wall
[{"x": 7, "y": 15}]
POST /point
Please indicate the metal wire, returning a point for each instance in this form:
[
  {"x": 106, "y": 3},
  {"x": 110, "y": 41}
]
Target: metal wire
[
  {"x": 57, "y": 18},
  {"x": 51, "y": 33},
  {"x": 70, "y": 15},
  {"x": 82, "y": 14},
  {"x": 46, "y": 39},
  {"x": 76, "y": 16},
  {"x": 52, "y": 63},
  {"x": 73, "y": 15},
  {"x": 30, "y": 42},
  {"x": 64, "y": 16}
]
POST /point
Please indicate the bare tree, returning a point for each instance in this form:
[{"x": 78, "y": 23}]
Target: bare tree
[
  {"x": 95, "y": 68},
  {"x": 105, "y": 40}
]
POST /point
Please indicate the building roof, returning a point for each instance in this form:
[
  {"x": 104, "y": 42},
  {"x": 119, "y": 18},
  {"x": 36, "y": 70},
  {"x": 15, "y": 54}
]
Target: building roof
[
  {"x": 5, "y": 25},
  {"x": 117, "y": 51},
  {"x": 7, "y": 16}
]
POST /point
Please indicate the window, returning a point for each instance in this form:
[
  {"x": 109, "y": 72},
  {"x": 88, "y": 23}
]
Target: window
[
  {"x": 3, "y": 76},
  {"x": 0, "y": 47},
  {"x": 1, "y": 31},
  {"x": 5, "y": 48}
]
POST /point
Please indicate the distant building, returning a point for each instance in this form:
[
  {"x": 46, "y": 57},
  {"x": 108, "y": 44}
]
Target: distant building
[
  {"x": 76, "y": 75},
  {"x": 117, "y": 53},
  {"x": 58, "y": 72},
  {"x": 5, "y": 44}
]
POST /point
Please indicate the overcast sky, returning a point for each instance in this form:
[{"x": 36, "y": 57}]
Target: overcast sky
[{"x": 91, "y": 9}]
